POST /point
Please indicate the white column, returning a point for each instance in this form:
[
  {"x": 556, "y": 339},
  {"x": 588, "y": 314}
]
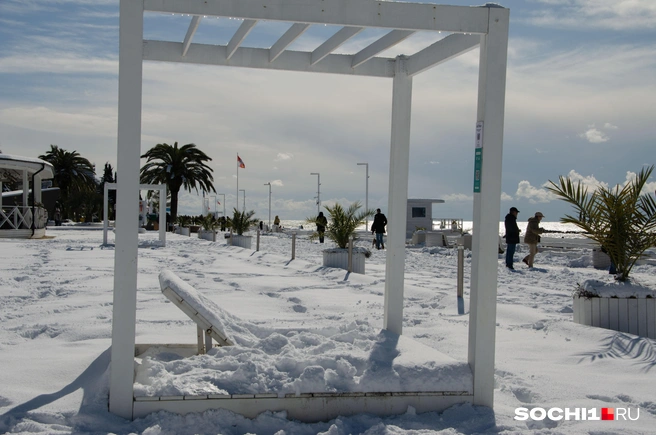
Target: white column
[
  {"x": 485, "y": 241},
  {"x": 162, "y": 215},
  {"x": 36, "y": 189},
  {"x": 127, "y": 213},
  {"x": 26, "y": 190},
  {"x": 0, "y": 194},
  {"x": 398, "y": 197}
]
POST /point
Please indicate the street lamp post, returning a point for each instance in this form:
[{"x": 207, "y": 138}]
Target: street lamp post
[
  {"x": 269, "y": 184},
  {"x": 243, "y": 210},
  {"x": 366, "y": 192},
  {"x": 222, "y": 194},
  {"x": 318, "y": 190}
]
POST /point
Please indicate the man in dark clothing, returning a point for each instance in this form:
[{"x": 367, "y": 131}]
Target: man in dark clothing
[
  {"x": 512, "y": 236},
  {"x": 378, "y": 227},
  {"x": 321, "y": 225}
]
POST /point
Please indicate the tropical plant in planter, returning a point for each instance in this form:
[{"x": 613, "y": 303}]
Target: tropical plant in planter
[
  {"x": 342, "y": 224},
  {"x": 183, "y": 223},
  {"x": 622, "y": 221},
  {"x": 240, "y": 223},
  {"x": 209, "y": 225}
]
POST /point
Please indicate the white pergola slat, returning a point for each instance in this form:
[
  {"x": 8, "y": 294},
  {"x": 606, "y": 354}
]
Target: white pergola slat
[
  {"x": 484, "y": 26},
  {"x": 193, "y": 26},
  {"x": 285, "y": 40},
  {"x": 239, "y": 36},
  {"x": 387, "y": 41},
  {"x": 339, "y": 38}
]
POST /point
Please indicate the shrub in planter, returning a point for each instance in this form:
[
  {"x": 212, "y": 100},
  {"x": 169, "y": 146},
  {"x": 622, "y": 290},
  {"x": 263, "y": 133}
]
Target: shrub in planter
[
  {"x": 209, "y": 225},
  {"x": 342, "y": 224},
  {"x": 622, "y": 221},
  {"x": 240, "y": 223}
]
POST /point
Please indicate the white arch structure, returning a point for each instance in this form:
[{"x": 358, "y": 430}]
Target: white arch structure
[
  {"x": 468, "y": 27},
  {"x": 161, "y": 188}
]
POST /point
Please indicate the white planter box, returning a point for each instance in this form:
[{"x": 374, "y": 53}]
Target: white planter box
[
  {"x": 207, "y": 235},
  {"x": 631, "y": 315},
  {"x": 241, "y": 241},
  {"x": 339, "y": 258},
  {"x": 183, "y": 231}
]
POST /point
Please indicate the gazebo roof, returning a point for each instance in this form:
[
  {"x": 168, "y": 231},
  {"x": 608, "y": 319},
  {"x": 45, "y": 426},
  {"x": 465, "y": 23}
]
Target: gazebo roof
[{"x": 12, "y": 167}]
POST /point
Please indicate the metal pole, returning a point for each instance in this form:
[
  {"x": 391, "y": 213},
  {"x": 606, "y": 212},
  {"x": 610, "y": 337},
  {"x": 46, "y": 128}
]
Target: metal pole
[
  {"x": 350, "y": 255},
  {"x": 257, "y": 245},
  {"x": 293, "y": 245},
  {"x": 223, "y": 194},
  {"x": 366, "y": 192},
  {"x": 269, "y": 184},
  {"x": 461, "y": 263},
  {"x": 243, "y": 210},
  {"x": 318, "y": 190}
]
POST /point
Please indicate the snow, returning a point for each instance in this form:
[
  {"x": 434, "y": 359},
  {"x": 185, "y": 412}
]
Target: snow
[
  {"x": 300, "y": 327},
  {"x": 617, "y": 289}
]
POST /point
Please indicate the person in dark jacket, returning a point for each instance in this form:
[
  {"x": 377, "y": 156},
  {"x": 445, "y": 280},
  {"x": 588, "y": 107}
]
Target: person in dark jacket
[
  {"x": 321, "y": 225},
  {"x": 378, "y": 227},
  {"x": 512, "y": 236}
]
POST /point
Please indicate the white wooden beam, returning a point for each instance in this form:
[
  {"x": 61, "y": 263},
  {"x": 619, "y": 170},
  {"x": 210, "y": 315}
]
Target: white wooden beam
[
  {"x": 259, "y": 58},
  {"x": 239, "y": 36},
  {"x": 130, "y": 76},
  {"x": 397, "y": 197},
  {"x": 285, "y": 40},
  {"x": 191, "y": 31},
  {"x": 445, "y": 49},
  {"x": 358, "y": 13},
  {"x": 487, "y": 204},
  {"x": 343, "y": 35},
  {"x": 382, "y": 44}
]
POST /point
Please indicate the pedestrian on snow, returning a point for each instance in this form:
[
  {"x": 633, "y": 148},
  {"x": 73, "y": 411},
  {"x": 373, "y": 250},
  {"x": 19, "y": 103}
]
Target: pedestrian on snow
[
  {"x": 378, "y": 227},
  {"x": 532, "y": 237},
  {"x": 321, "y": 225},
  {"x": 512, "y": 236}
]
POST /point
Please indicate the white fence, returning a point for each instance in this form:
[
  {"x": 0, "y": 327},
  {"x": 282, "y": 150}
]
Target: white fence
[
  {"x": 20, "y": 218},
  {"x": 631, "y": 315}
]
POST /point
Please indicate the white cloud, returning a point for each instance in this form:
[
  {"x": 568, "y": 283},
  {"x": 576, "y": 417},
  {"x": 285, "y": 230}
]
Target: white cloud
[
  {"x": 277, "y": 183},
  {"x": 596, "y": 14},
  {"x": 593, "y": 135},
  {"x": 590, "y": 182},
  {"x": 283, "y": 156},
  {"x": 609, "y": 126},
  {"x": 506, "y": 197},
  {"x": 534, "y": 195}
]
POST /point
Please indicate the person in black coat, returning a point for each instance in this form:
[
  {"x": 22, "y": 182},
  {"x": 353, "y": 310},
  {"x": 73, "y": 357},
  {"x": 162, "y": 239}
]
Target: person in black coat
[
  {"x": 512, "y": 236},
  {"x": 321, "y": 225},
  {"x": 378, "y": 227}
]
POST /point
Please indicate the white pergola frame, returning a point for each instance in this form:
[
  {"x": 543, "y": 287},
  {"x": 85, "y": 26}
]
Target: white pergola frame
[
  {"x": 484, "y": 26},
  {"x": 161, "y": 188}
]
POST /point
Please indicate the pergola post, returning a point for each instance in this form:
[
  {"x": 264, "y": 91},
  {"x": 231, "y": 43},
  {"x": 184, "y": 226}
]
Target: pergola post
[
  {"x": 26, "y": 190},
  {"x": 127, "y": 214},
  {"x": 487, "y": 194},
  {"x": 398, "y": 196}
]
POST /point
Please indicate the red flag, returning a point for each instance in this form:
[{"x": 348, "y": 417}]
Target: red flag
[
  {"x": 218, "y": 202},
  {"x": 240, "y": 162}
]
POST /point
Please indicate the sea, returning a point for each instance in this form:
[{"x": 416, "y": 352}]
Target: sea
[{"x": 555, "y": 229}]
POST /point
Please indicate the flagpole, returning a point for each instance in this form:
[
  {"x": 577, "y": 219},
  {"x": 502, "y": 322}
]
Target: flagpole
[{"x": 237, "y": 197}]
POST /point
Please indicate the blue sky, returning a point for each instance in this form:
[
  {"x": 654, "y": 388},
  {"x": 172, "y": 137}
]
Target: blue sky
[{"x": 580, "y": 101}]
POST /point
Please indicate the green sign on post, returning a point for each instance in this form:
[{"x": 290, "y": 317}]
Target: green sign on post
[{"x": 478, "y": 163}]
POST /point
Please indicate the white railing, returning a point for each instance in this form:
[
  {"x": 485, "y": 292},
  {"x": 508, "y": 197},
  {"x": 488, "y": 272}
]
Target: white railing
[
  {"x": 452, "y": 224},
  {"x": 20, "y": 217}
]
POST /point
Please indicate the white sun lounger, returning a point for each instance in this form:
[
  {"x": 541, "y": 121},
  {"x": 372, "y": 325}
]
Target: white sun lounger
[{"x": 200, "y": 309}]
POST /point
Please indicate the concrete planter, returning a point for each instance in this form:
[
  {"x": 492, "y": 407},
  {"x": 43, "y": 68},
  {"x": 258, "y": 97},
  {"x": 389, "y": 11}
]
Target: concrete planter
[
  {"x": 242, "y": 241},
  {"x": 207, "y": 235},
  {"x": 632, "y": 315},
  {"x": 183, "y": 231},
  {"x": 339, "y": 258}
]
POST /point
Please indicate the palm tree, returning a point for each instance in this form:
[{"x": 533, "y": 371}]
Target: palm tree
[
  {"x": 242, "y": 221},
  {"x": 177, "y": 168},
  {"x": 343, "y": 223},
  {"x": 74, "y": 174},
  {"x": 622, "y": 221}
]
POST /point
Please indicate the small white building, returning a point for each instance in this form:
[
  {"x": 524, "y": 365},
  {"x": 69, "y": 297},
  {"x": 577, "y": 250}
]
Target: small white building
[{"x": 420, "y": 215}]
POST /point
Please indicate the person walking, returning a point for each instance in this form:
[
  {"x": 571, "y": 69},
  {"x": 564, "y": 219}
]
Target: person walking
[
  {"x": 321, "y": 225},
  {"x": 532, "y": 237},
  {"x": 378, "y": 227},
  {"x": 512, "y": 236}
]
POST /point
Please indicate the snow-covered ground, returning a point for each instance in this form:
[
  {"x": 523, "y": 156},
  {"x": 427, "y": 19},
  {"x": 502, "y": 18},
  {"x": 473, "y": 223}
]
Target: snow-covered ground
[{"x": 288, "y": 316}]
